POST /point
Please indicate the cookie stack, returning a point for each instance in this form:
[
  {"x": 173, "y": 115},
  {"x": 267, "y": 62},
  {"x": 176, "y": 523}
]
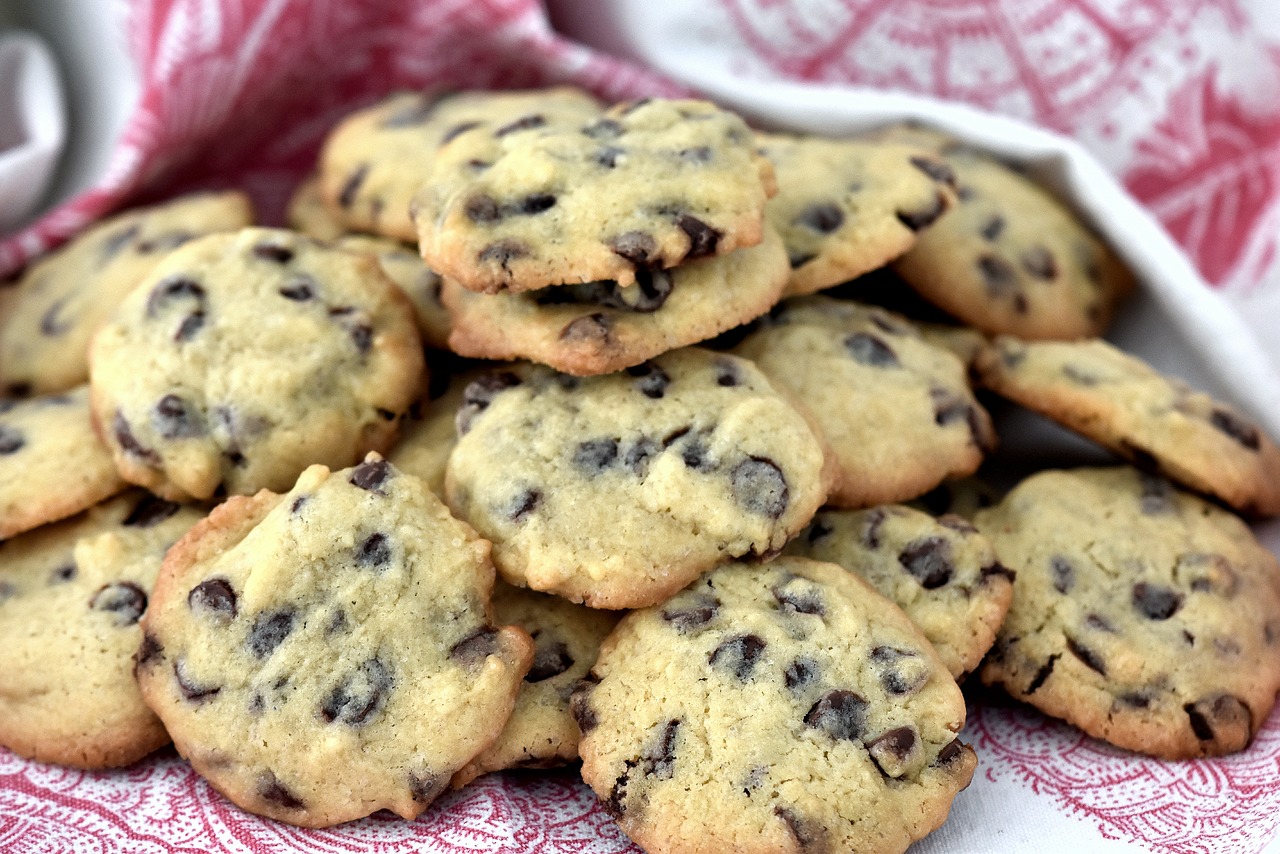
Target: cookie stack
[{"x": 641, "y": 503}]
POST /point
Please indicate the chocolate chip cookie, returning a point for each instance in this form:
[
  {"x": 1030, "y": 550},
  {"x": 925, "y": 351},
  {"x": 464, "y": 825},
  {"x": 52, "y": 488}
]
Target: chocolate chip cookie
[
  {"x": 602, "y": 327},
  {"x": 52, "y": 465},
  {"x": 778, "y": 707},
  {"x": 374, "y": 162},
  {"x": 245, "y": 357},
  {"x": 649, "y": 185},
  {"x": 62, "y": 300},
  {"x": 845, "y": 207},
  {"x": 618, "y": 490},
  {"x": 71, "y": 595},
  {"x": 1141, "y": 614},
  {"x": 896, "y": 410},
  {"x": 419, "y": 282},
  {"x": 308, "y": 213},
  {"x": 1157, "y": 422},
  {"x": 320, "y": 655}
]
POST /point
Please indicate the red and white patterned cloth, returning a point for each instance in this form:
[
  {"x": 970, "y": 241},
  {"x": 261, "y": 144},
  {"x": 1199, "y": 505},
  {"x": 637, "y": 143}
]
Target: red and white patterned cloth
[{"x": 1177, "y": 99}]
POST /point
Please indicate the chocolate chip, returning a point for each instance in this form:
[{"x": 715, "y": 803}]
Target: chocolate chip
[
  {"x": 799, "y": 259},
  {"x": 214, "y": 596},
  {"x": 810, "y": 835},
  {"x": 872, "y": 521},
  {"x": 800, "y": 673},
  {"x": 629, "y": 107},
  {"x": 425, "y": 788},
  {"x": 901, "y": 671},
  {"x": 1064, "y": 574},
  {"x": 818, "y": 530},
  {"x": 738, "y": 655},
  {"x": 1100, "y": 623},
  {"x": 651, "y": 380},
  {"x": 171, "y": 289},
  {"x": 165, "y": 241},
  {"x": 148, "y": 651},
  {"x": 637, "y": 457},
  {"x": 654, "y": 286},
  {"x": 840, "y": 714},
  {"x": 347, "y": 194},
  {"x": 190, "y": 689},
  {"x": 1045, "y": 671},
  {"x": 1140, "y": 699},
  {"x": 174, "y": 418},
  {"x": 950, "y": 752},
  {"x": 696, "y": 454},
  {"x": 298, "y": 290},
  {"x": 950, "y": 407},
  {"x": 1237, "y": 428},
  {"x": 1039, "y": 262},
  {"x": 11, "y": 440},
  {"x": 759, "y": 486},
  {"x": 922, "y": 218},
  {"x": 659, "y": 758},
  {"x": 528, "y": 122},
  {"x": 935, "y": 169},
  {"x": 608, "y": 156},
  {"x": 473, "y": 649},
  {"x": 479, "y": 393},
  {"x": 190, "y": 325},
  {"x": 375, "y": 551},
  {"x": 1000, "y": 277},
  {"x": 457, "y": 130},
  {"x": 603, "y": 129},
  {"x": 823, "y": 217},
  {"x": 1219, "y": 712},
  {"x": 483, "y": 208},
  {"x": 63, "y": 574},
  {"x": 269, "y": 631},
  {"x": 595, "y": 455},
  {"x": 113, "y": 243},
  {"x": 550, "y": 658},
  {"x": 691, "y": 611},
  {"x": 580, "y": 704},
  {"x": 124, "y": 599},
  {"x": 798, "y": 596},
  {"x": 993, "y": 228},
  {"x": 149, "y": 511},
  {"x": 1090, "y": 658},
  {"x": 519, "y": 508},
  {"x": 1158, "y": 497},
  {"x": 273, "y": 252},
  {"x": 536, "y": 203},
  {"x": 274, "y": 792},
  {"x": 130, "y": 444},
  {"x": 503, "y": 252},
  {"x": 929, "y": 561},
  {"x": 591, "y": 327},
  {"x": 360, "y": 696},
  {"x": 727, "y": 375},
  {"x": 959, "y": 524},
  {"x": 895, "y": 750},
  {"x": 51, "y": 323},
  {"x": 1156, "y": 602},
  {"x": 638, "y": 247},
  {"x": 870, "y": 350},
  {"x": 702, "y": 237},
  {"x": 696, "y": 154},
  {"x": 371, "y": 476}
]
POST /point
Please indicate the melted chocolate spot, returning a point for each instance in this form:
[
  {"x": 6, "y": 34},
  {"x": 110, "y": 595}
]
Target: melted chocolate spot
[
  {"x": 215, "y": 596},
  {"x": 739, "y": 655},
  {"x": 935, "y": 169},
  {"x": 1090, "y": 658},
  {"x": 870, "y": 350},
  {"x": 63, "y": 574},
  {"x": 1156, "y": 602},
  {"x": 171, "y": 289},
  {"x": 117, "y": 241},
  {"x": 603, "y": 129},
  {"x": 360, "y": 696},
  {"x": 924, "y": 217},
  {"x": 895, "y": 676},
  {"x": 1157, "y": 496},
  {"x": 174, "y": 418},
  {"x": 425, "y": 788},
  {"x": 519, "y": 508},
  {"x": 51, "y": 324},
  {"x": 483, "y": 209},
  {"x": 1000, "y": 277},
  {"x": 759, "y": 486},
  {"x": 124, "y": 599},
  {"x": 799, "y": 673},
  {"x": 528, "y": 122},
  {"x": 591, "y": 327},
  {"x": 457, "y": 130},
  {"x": 129, "y": 442},
  {"x": 11, "y": 440},
  {"x": 347, "y": 194},
  {"x": 1064, "y": 574},
  {"x": 477, "y": 396},
  {"x": 1039, "y": 262},
  {"x": 549, "y": 659},
  {"x": 929, "y": 561},
  {"x": 273, "y": 252},
  {"x": 149, "y": 511},
  {"x": 811, "y": 836},
  {"x": 802, "y": 600},
  {"x": 1237, "y": 428},
  {"x": 374, "y": 552},
  {"x": 503, "y": 252},
  {"x": 691, "y": 612},
  {"x": 191, "y": 690},
  {"x": 840, "y": 714},
  {"x": 595, "y": 455},
  {"x": 274, "y": 792},
  {"x": 823, "y": 217},
  {"x": 993, "y": 228},
  {"x": 269, "y": 631},
  {"x": 651, "y": 380},
  {"x": 536, "y": 203}
]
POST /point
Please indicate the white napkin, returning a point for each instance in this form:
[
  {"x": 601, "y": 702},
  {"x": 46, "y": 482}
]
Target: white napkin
[{"x": 32, "y": 124}]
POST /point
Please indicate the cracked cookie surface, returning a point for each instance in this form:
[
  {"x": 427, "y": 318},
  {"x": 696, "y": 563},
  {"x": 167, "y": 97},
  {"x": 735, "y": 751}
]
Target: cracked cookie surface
[
  {"x": 323, "y": 654},
  {"x": 1141, "y": 614}
]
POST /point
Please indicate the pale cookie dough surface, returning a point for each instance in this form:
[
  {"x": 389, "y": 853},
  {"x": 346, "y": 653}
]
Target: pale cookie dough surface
[
  {"x": 541, "y": 732},
  {"x": 375, "y": 161},
  {"x": 1143, "y": 615},
  {"x": 71, "y": 595},
  {"x": 783, "y": 707},
  {"x": 320, "y": 655},
  {"x": 419, "y": 282},
  {"x": 601, "y": 327},
  {"x": 308, "y": 213},
  {"x": 845, "y": 207},
  {"x": 941, "y": 572},
  {"x": 897, "y": 411},
  {"x": 52, "y": 464},
  {"x": 1012, "y": 258},
  {"x": 1157, "y": 422},
  {"x": 651, "y": 184},
  {"x": 244, "y": 358},
  {"x": 619, "y": 490},
  {"x": 64, "y": 298}
]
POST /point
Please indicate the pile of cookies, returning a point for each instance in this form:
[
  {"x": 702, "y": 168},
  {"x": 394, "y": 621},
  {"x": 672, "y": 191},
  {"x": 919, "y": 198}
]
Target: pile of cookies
[{"x": 533, "y": 441}]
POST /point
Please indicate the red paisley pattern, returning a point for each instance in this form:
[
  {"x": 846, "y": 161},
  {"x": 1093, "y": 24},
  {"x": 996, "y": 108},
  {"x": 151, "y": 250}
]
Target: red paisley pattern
[{"x": 1179, "y": 97}]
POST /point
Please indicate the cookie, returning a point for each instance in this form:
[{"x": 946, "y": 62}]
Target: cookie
[
  {"x": 941, "y": 572},
  {"x": 780, "y": 707},
  {"x": 649, "y": 185},
  {"x": 963, "y": 498},
  {"x": 308, "y": 213},
  {"x": 320, "y": 655},
  {"x": 541, "y": 732},
  {"x": 61, "y": 300},
  {"x": 1013, "y": 259},
  {"x": 601, "y": 327},
  {"x": 245, "y": 357},
  {"x": 429, "y": 433},
  {"x": 896, "y": 410},
  {"x": 1154, "y": 421},
  {"x": 1141, "y": 614},
  {"x": 618, "y": 490},
  {"x": 374, "y": 162},
  {"x": 51, "y": 463},
  {"x": 71, "y": 595},
  {"x": 846, "y": 206},
  {"x": 419, "y": 282}
]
